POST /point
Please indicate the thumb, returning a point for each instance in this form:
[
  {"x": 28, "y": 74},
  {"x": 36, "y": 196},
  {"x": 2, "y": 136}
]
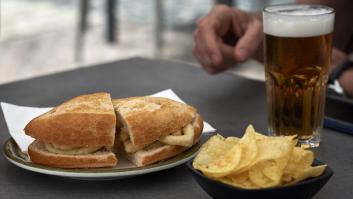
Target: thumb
[{"x": 249, "y": 42}]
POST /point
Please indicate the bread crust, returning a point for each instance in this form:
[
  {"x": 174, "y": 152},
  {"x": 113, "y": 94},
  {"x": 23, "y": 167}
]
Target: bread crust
[
  {"x": 198, "y": 128},
  {"x": 164, "y": 153},
  {"x": 39, "y": 155},
  {"x": 143, "y": 158},
  {"x": 149, "y": 118},
  {"x": 84, "y": 121}
]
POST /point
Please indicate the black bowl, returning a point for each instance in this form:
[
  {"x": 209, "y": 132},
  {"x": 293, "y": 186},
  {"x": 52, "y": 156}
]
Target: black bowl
[{"x": 303, "y": 190}]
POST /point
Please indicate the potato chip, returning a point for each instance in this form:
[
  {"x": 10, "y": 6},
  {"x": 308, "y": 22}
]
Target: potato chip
[
  {"x": 299, "y": 161},
  {"x": 239, "y": 180},
  {"x": 309, "y": 172},
  {"x": 275, "y": 148},
  {"x": 211, "y": 150},
  {"x": 248, "y": 150},
  {"x": 227, "y": 164},
  {"x": 258, "y": 136},
  {"x": 216, "y": 154},
  {"x": 255, "y": 160},
  {"x": 265, "y": 174},
  {"x": 224, "y": 164},
  {"x": 273, "y": 156},
  {"x": 231, "y": 141}
]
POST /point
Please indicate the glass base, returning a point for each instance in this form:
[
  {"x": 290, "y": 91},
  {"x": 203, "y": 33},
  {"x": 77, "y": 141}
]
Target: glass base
[{"x": 312, "y": 142}]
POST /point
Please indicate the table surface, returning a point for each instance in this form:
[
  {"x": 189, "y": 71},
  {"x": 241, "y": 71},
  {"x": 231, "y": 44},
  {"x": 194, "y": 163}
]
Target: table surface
[{"x": 228, "y": 102}]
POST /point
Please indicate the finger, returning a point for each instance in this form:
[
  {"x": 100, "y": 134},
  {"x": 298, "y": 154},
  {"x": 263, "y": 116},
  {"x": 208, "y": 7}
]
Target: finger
[
  {"x": 207, "y": 40},
  {"x": 237, "y": 22},
  {"x": 200, "y": 21},
  {"x": 207, "y": 67},
  {"x": 228, "y": 56},
  {"x": 249, "y": 42},
  {"x": 199, "y": 55},
  {"x": 215, "y": 25},
  {"x": 200, "y": 48},
  {"x": 221, "y": 17}
]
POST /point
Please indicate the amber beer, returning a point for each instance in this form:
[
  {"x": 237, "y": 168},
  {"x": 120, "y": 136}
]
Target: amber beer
[{"x": 298, "y": 44}]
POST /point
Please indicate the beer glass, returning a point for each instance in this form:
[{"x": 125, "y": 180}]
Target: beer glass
[{"x": 298, "y": 44}]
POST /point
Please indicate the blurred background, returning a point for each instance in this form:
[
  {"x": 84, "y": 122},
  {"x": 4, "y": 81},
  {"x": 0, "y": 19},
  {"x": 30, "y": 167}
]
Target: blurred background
[{"x": 39, "y": 37}]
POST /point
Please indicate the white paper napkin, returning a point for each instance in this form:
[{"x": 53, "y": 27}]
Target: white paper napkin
[
  {"x": 17, "y": 117},
  {"x": 169, "y": 93}
]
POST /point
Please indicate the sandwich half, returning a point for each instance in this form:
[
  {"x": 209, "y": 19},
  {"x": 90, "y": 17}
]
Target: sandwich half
[
  {"x": 151, "y": 129},
  {"x": 79, "y": 133}
]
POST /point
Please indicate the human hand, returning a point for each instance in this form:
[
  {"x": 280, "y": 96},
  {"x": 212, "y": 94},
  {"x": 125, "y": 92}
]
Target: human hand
[
  {"x": 338, "y": 57},
  {"x": 346, "y": 78},
  {"x": 226, "y": 36},
  {"x": 346, "y": 81}
]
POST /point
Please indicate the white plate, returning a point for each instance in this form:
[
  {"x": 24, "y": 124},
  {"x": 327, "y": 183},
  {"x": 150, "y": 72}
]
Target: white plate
[{"x": 124, "y": 169}]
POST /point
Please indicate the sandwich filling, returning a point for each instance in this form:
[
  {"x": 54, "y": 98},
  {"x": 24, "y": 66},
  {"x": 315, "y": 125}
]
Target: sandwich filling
[
  {"x": 69, "y": 150},
  {"x": 183, "y": 137}
]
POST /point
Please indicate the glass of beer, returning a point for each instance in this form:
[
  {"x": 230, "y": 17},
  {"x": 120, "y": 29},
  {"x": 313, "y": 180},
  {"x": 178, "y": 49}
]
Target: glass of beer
[{"x": 298, "y": 45}]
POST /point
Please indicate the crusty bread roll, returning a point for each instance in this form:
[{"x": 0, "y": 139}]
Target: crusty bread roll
[
  {"x": 146, "y": 121},
  {"x": 84, "y": 125},
  {"x": 86, "y": 120},
  {"x": 40, "y": 155},
  {"x": 149, "y": 118},
  {"x": 160, "y": 151}
]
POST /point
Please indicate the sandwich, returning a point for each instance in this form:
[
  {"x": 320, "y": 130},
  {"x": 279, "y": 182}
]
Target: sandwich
[
  {"x": 88, "y": 131},
  {"x": 151, "y": 129},
  {"x": 79, "y": 133}
]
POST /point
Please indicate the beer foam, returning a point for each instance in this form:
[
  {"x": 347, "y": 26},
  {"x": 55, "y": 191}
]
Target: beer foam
[{"x": 298, "y": 20}]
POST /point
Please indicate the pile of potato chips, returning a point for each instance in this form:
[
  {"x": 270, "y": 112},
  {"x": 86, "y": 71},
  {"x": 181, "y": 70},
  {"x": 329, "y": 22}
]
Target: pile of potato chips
[{"x": 256, "y": 161}]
